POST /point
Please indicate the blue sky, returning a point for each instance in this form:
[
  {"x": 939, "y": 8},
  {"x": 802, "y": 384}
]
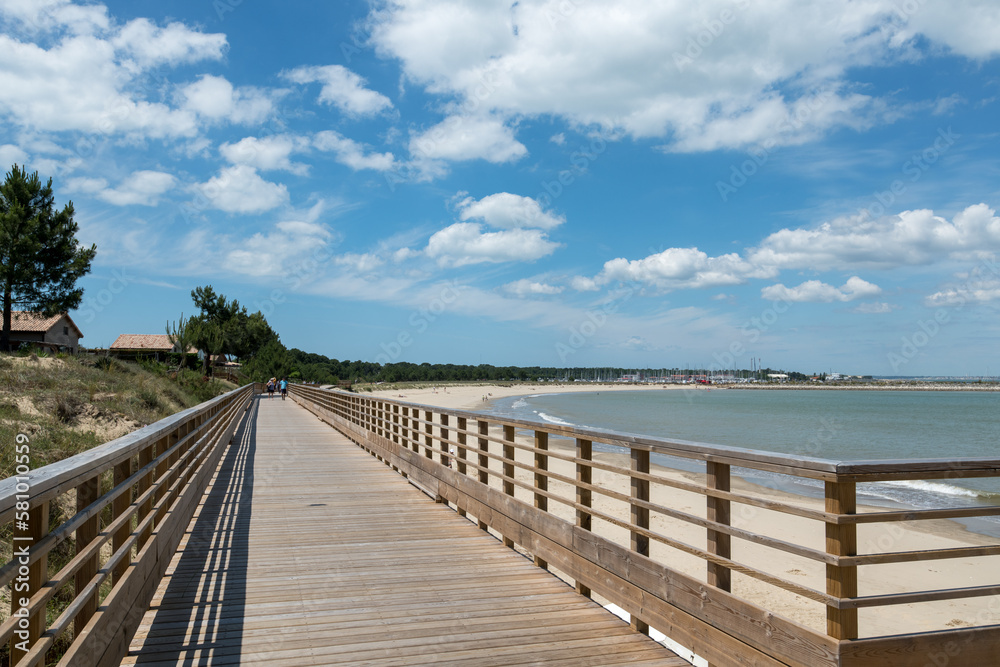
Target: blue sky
[{"x": 543, "y": 182}]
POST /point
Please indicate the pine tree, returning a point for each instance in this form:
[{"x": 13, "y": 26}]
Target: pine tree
[
  {"x": 40, "y": 257},
  {"x": 181, "y": 335}
]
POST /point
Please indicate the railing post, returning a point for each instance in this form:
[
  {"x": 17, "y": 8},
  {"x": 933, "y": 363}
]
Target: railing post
[
  {"x": 484, "y": 461},
  {"x": 120, "y": 506},
  {"x": 146, "y": 456},
  {"x": 26, "y": 534},
  {"x": 428, "y": 434},
  {"x": 462, "y": 440},
  {"x": 404, "y": 423},
  {"x": 445, "y": 458},
  {"x": 163, "y": 444},
  {"x": 841, "y": 540},
  {"x": 86, "y": 493},
  {"x": 508, "y": 470},
  {"x": 720, "y": 544},
  {"x": 640, "y": 519},
  {"x": 541, "y": 480},
  {"x": 584, "y": 475},
  {"x": 395, "y": 424},
  {"x": 415, "y": 430}
]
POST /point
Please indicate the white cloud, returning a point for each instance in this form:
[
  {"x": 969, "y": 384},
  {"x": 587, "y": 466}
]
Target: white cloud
[
  {"x": 907, "y": 239},
  {"x": 466, "y": 243},
  {"x": 175, "y": 44},
  {"x": 526, "y": 287},
  {"x": 267, "y": 153},
  {"x": 11, "y": 154},
  {"x": 679, "y": 268},
  {"x": 966, "y": 28},
  {"x": 815, "y": 291},
  {"x": 273, "y": 253},
  {"x": 352, "y": 154},
  {"x": 74, "y": 68},
  {"x": 584, "y": 284},
  {"x": 141, "y": 187},
  {"x": 78, "y": 85},
  {"x": 342, "y": 88},
  {"x": 980, "y": 285},
  {"x": 910, "y": 238},
  {"x": 705, "y": 75},
  {"x": 87, "y": 185},
  {"x": 215, "y": 98},
  {"x": 240, "y": 189},
  {"x": 506, "y": 211},
  {"x": 359, "y": 262},
  {"x": 35, "y": 15},
  {"x": 460, "y": 138}
]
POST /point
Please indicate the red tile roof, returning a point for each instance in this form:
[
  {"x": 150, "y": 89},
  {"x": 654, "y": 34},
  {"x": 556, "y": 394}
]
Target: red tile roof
[
  {"x": 23, "y": 321},
  {"x": 153, "y": 342}
]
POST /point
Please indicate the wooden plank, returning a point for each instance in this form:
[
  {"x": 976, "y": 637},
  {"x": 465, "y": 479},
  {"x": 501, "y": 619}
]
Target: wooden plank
[
  {"x": 584, "y": 496},
  {"x": 841, "y": 540},
  {"x": 118, "y": 507},
  {"x": 541, "y": 480},
  {"x": 26, "y": 534},
  {"x": 968, "y": 647},
  {"x": 86, "y": 494},
  {"x": 483, "y": 428},
  {"x": 719, "y": 543},
  {"x": 639, "y": 516}
]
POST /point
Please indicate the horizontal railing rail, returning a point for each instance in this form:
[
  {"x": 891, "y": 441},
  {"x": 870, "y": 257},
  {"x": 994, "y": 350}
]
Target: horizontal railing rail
[
  {"x": 126, "y": 505},
  {"x": 537, "y": 486}
]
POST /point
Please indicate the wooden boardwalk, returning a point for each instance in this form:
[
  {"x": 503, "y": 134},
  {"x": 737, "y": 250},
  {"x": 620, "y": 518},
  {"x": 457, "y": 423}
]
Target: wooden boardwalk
[{"x": 307, "y": 551}]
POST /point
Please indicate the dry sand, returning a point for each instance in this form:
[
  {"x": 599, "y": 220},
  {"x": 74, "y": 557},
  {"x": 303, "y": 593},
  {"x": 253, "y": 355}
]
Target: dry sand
[
  {"x": 874, "y": 579},
  {"x": 470, "y": 397}
]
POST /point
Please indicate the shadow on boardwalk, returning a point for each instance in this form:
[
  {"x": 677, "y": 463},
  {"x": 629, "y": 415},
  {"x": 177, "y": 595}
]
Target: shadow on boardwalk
[{"x": 203, "y": 606}]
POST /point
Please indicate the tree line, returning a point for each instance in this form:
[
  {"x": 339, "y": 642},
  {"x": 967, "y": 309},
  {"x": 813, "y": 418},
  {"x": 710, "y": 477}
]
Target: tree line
[{"x": 225, "y": 327}]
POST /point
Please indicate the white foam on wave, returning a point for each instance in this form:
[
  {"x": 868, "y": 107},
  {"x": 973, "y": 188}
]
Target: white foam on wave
[
  {"x": 520, "y": 403},
  {"x": 553, "y": 420},
  {"x": 929, "y": 486}
]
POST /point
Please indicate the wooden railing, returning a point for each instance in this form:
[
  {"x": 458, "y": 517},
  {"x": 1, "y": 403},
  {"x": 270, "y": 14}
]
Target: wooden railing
[
  {"x": 536, "y": 486},
  {"x": 127, "y": 503}
]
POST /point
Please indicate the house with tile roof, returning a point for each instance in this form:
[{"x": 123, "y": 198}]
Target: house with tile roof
[
  {"x": 135, "y": 345},
  {"x": 58, "y": 333}
]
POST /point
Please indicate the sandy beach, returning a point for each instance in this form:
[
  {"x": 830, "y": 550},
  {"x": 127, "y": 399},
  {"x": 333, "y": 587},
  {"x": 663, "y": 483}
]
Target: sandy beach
[
  {"x": 875, "y": 579},
  {"x": 470, "y": 397}
]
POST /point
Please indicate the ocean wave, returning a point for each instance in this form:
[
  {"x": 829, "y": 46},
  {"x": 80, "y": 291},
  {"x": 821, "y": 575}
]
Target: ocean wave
[
  {"x": 519, "y": 403},
  {"x": 553, "y": 420},
  {"x": 928, "y": 486}
]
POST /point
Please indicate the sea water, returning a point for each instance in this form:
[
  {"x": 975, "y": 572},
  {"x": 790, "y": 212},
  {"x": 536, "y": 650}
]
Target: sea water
[{"x": 830, "y": 424}]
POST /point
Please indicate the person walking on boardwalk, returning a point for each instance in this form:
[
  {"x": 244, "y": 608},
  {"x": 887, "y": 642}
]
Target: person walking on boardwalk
[
  {"x": 284, "y": 387},
  {"x": 270, "y": 388}
]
